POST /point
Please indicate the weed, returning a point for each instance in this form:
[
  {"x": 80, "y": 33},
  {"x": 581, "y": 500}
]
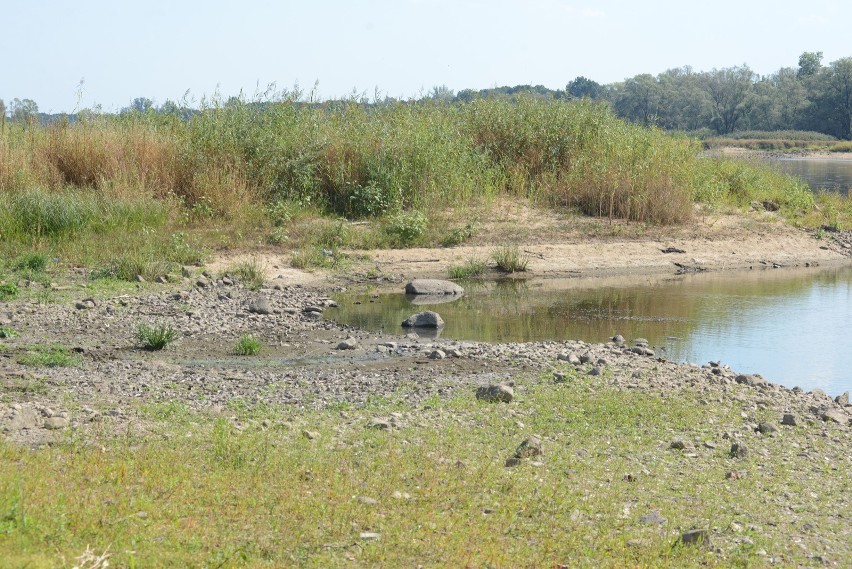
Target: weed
[
  {"x": 509, "y": 259},
  {"x": 406, "y": 227},
  {"x": 156, "y": 336},
  {"x": 459, "y": 235},
  {"x": 248, "y": 345},
  {"x": 6, "y": 332},
  {"x": 54, "y": 355},
  {"x": 32, "y": 263},
  {"x": 8, "y": 291},
  {"x": 250, "y": 274},
  {"x": 471, "y": 268}
]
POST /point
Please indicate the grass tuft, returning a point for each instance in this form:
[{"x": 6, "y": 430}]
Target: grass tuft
[
  {"x": 155, "y": 336},
  {"x": 248, "y": 345},
  {"x": 510, "y": 260},
  {"x": 471, "y": 268},
  {"x": 54, "y": 355},
  {"x": 6, "y": 332},
  {"x": 250, "y": 273}
]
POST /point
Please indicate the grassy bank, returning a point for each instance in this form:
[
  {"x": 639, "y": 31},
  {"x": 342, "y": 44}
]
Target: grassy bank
[
  {"x": 286, "y": 488},
  {"x": 285, "y": 173}
]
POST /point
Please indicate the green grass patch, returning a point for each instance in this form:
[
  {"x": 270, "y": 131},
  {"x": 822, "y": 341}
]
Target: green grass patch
[
  {"x": 250, "y": 273},
  {"x": 54, "y": 355},
  {"x": 248, "y": 345},
  {"x": 470, "y": 269},
  {"x": 433, "y": 491},
  {"x": 9, "y": 291},
  {"x": 6, "y": 332}
]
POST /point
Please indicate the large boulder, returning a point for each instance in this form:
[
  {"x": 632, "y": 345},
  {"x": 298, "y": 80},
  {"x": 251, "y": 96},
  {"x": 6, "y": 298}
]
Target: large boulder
[
  {"x": 426, "y": 319},
  {"x": 433, "y": 287}
]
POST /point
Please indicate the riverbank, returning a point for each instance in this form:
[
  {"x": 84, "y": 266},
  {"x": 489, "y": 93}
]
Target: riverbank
[{"x": 334, "y": 446}]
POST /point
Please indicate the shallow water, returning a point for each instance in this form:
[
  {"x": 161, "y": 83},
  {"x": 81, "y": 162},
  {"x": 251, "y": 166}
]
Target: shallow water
[
  {"x": 821, "y": 175},
  {"x": 793, "y": 326}
]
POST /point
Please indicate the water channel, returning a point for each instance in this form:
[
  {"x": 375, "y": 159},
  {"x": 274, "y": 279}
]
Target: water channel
[{"x": 793, "y": 326}]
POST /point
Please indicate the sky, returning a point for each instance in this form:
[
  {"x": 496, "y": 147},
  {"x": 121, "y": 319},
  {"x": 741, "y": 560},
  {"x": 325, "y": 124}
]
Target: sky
[{"x": 68, "y": 55}]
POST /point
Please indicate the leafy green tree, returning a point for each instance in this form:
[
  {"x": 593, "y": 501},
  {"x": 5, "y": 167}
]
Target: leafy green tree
[
  {"x": 810, "y": 62},
  {"x": 638, "y": 99},
  {"x": 729, "y": 90},
  {"x": 581, "y": 87},
  {"x": 24, "y": 110}
]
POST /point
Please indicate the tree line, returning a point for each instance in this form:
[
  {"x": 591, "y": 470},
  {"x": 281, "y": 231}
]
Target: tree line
[{"x": 809, "y": 97}]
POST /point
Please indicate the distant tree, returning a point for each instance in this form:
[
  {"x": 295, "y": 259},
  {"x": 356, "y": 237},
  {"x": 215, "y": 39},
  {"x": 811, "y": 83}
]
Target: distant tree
[
  {"x": 2, "y": 116},
  {"x": 729, "y": 90},
  {"x": 810, "y": 62},
  {"x": 638, "y": 99},
  {"x": 441, "y": 93},
  {"x": 141, "y": 105},
  {"x": 24, "y": 110},
  {"x": 832, "y": 103},
  {"x": 581, "y": 87}
]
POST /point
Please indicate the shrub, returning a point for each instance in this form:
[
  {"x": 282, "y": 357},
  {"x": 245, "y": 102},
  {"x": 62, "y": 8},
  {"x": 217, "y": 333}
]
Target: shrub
[
  {"x": 406, "y": 227},
  {"x": 31, "y": 262},
  {"x": 8, "y": 291},
  {"x": 510, "y": 260},
  {"x": 6, "y": 332},
  {"x": 156, "y": 336},
  {"x": 247, "y": 345}
]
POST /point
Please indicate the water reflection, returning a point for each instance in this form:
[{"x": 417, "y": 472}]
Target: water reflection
[
  {"x": 821, "y": 175},
  {"x": 789, "y": 325}
]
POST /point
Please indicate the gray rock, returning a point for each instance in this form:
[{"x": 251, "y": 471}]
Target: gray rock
[
  {"x": 789, "y": 420},
  {"x": 496, "y": 394},
  {"x": 426, "y": 299},
  {"x": 767, "y": 428},
  {"x": 560, "y": 377},
  {"x": 750, "y": 380},
  {"x": 437, "y": 355},
  {"x": 654, "y": 518},
  {"x": 433, "y": 287},
  {"x": 642, "y": 351},
  {"x": 426, "y": 319},
  {"x": 512, "y": 462},
  {"x": 640, "y": 342},
  {"x": 571, "y": 358},
  {"x": 56, "y": 423},
  {"x": 348, "y": 344},
  {"x": 260, "y": 306},
  {"x": 835, "y": 416},
  {"x": 595, "y": 371},
  {"x": 24, "y": 418},
  {"x": 529, "y": 447},
  {"x": 586, "y": 358},
  {"x": 618, "y": 338},
  {"x": 678, "y": 445},
  {"x": 842, "y": 399},
  {"x": 739, "y": 450},
  {"x": 380, "y": 424},
  {"x": 695, "y": 537}
]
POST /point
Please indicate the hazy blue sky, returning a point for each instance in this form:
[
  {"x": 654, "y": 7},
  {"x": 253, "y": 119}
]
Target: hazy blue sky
[{"x": 160, "y": 49}]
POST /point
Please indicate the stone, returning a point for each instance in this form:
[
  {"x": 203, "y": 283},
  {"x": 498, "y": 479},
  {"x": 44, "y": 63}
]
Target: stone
[
  {"x": 310, "y": 435},
  {"x": 789, "y": 420},
  {"x": 595, "y": 371},
  {"x": 426, "y": 319},
  {"x": 380, "y": 424},
  {"x": 654, "y": 518},
  {"x": 560, "y": 377},
  {"x": 678, "y": 445},
  {"x": 433, "y": 287},
  {"x": 186, "y": 272},
  {"x": 695, "y": 537},
  {"x": 437, "y": 355},
  {"x": 750, "y": 380},
  {"x": 260, "y": 306},
  {"x": 739, "y": 450},
  {"x": 642, "y": 351},
  {"x": 202, "y": 282},
  {"x": 529, "y": 447},
  {"x": 349, "y": 343},
  {"x": 770, "y": 205},
  {"x": 56, "y": 423},
  {"x": 496, "y": 394},
  {"x": 512, "y": 462},
  {"x": 767, "y": 428},
  {"x": 640, "y": 342},
  {"x": 834, "y": 416},
  {"x": 618, "y": 338},
  {"x": 571, "y": 358},
  {"x": 24, "y": 418},
  {"x": 843, "y": 399}
]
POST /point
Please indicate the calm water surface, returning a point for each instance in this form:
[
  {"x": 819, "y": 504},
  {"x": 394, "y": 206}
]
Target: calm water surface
[
  {"x": 792, "y": 326},
  {"x": 821, "y": 175}
]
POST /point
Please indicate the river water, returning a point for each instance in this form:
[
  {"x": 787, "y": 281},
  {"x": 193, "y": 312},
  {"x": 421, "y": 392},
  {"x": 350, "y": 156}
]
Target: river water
[
  {"x": 821, "y": 175},
  {"x": 793, "y": 326}
]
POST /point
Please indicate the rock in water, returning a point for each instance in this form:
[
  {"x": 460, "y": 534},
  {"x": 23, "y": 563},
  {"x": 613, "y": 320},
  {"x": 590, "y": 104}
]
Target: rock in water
[
  {"x": 433, "y": 287},
  {"x": 426, "y": 319}
]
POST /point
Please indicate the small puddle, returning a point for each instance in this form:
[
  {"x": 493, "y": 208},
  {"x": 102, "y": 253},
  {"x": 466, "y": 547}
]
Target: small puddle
[{"x": 790, "y": 325}]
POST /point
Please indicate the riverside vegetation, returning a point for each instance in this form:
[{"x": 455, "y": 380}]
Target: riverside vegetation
[{"x": 380, "y": 454}]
